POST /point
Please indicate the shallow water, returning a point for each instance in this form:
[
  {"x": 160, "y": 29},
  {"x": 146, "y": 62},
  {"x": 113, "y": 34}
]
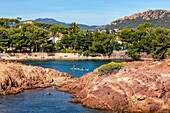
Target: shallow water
[{"x": 36, "y": 101}]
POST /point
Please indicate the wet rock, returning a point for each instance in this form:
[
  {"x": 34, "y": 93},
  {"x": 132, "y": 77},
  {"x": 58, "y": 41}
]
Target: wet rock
[
  {"x": 72, "y": 96},
  {"x": 48, "y": 93}
]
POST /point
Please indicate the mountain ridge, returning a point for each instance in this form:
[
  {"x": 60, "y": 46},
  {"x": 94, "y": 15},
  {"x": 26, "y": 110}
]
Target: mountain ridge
[
  {"x": 158, "y": 18},
  {"x": 53, "y": 21}
]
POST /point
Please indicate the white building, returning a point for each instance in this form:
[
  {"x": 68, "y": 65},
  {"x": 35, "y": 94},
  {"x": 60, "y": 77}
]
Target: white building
[{"x": 56, "y": 38}]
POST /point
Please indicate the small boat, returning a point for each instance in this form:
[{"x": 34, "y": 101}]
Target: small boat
[{"x": 79, "y": 69}]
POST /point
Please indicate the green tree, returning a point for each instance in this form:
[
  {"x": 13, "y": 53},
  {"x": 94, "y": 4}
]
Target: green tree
[
  {"x": 74, "y": 27},
  {"x": 160, "y": 43},
  {"x": 146, "y": 39},
  {"x": 4, "y": 39}
]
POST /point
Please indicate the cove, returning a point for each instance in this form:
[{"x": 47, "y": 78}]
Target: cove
[
  {"x": 36, "y": 101},
  {"x": 67, "y": 65}
]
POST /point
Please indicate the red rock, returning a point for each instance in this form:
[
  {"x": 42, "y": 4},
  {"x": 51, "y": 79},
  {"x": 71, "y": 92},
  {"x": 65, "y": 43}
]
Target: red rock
[
  {"x": 143, "y": 87},
  {"x": 16, "y": 77}
]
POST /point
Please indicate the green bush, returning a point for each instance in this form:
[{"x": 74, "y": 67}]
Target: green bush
[
  {"x": 168, "y": 52},
  {"x": 63, "y": 51},
  {"x": 86, "y": 53},
  {"x": 133, "y": 53},
  {"x": 70, "y": 51},
  {"x": 110, "y": 68}
]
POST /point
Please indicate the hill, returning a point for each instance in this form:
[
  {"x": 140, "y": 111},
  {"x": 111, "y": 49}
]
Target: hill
[
  {"x": 158, "y": 18},
  {"x": 53, "y": 21}
]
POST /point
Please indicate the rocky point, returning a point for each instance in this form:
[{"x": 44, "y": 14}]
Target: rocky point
[
  {"x": 16, "y": 77},
  {"x": 141, "y": 86}
]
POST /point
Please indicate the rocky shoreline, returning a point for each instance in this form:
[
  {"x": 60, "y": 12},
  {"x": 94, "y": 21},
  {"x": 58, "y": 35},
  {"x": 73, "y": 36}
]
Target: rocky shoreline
[
  {"x": 140, "y": 87},
  {"x": 16, "y": 77}
]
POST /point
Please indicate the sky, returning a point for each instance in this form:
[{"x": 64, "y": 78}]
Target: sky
[{"x": 90, "y": 12}]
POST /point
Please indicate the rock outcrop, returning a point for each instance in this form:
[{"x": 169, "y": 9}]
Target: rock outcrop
[
  {"x": 16, "y": 77},
  {"x": 147, "y": 15},
  {"x": 158, "y": 18},
  {"x": 142, "y": 86}
]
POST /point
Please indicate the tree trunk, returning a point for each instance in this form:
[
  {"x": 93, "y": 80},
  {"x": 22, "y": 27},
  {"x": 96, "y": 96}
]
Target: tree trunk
[{"x": 36, "y": 47}]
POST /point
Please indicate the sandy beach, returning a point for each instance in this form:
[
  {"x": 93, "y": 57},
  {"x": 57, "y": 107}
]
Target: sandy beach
[
  {"x": 116, "y": 55},
  {"x": 51, "y": 56}
]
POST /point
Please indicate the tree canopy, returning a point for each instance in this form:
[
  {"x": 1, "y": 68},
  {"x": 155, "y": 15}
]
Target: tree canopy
[
  {"x": 153, "y": 41},
  {"x": 36, "y": 37}
]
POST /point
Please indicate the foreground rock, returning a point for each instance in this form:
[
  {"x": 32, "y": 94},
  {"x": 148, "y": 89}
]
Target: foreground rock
[
  {"x": 137, "y": 87},
  {"x": 16, "y": 77}
]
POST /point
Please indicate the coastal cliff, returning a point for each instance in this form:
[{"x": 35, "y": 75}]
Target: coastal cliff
[
  {"x": 141, "y": 86},
  {"x": 16, "y": 77}
]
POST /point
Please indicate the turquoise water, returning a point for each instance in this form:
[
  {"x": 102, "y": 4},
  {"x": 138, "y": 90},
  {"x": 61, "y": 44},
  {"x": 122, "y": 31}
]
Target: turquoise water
[
  {"x": 66, "y": 66},
  {"x": 36, "y": 101}
]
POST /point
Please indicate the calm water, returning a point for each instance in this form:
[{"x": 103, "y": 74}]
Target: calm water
[
  {"x": 65, "y": 66},
  {"x": 36, "y": 101}
]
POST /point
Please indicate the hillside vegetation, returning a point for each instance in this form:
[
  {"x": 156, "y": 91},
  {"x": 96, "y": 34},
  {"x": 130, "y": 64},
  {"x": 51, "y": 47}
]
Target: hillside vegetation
[
  {"x": 17, "y": 36},
  {"x": 153, "y": 41}
]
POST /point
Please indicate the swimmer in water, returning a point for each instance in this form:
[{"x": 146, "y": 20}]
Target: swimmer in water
[
  {"x": 83, "y": 68},
  {"x": 74, "y": 66}
]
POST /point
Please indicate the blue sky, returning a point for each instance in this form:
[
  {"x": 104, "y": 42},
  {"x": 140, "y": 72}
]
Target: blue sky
[{"x": 91, "y": 12}]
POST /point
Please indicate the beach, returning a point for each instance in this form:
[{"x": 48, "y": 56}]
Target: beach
[{"x": 57, "y": 56}]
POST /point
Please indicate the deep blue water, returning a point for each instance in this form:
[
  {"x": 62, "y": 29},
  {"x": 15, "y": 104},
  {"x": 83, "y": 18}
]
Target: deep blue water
[{"x": 36, "y": 101}]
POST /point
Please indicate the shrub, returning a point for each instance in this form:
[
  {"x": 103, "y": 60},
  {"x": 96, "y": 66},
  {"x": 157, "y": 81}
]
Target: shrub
[
  {"x": 133, "y": 53},
  {"x": 63, "y": 51},
  {"x": 110, "y": 68},
  {"x": 86, "y": 53},
  {"x": 168, "y": 52},
  {"x": 70, "y": 51}
]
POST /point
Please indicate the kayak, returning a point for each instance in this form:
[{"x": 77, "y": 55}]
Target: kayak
[{"x": 79, "y": 69}]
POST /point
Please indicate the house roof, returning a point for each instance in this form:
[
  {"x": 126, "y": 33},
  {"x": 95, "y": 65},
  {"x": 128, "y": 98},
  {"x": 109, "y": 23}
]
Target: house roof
[
  {"x": 28, "y": 22},
  {"x": 119, "y": 40},
  {"x": 59, "y": 34}
]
